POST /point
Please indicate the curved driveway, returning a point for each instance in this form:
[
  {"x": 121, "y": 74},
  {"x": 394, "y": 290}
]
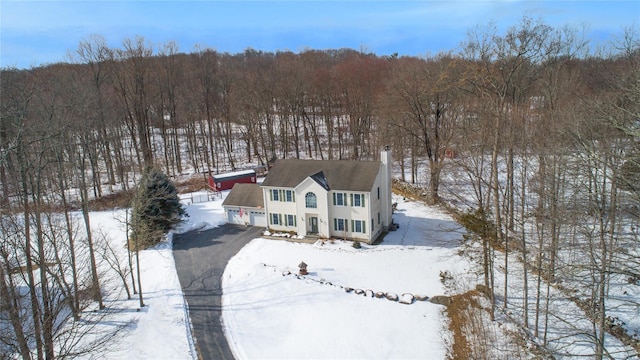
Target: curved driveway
[{"x": 201, "y": 257}]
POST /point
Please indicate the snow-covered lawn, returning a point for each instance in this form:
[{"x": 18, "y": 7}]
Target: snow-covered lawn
[
  {"x": 160, "y": 329},
  {"x": 269, "y": 314}
]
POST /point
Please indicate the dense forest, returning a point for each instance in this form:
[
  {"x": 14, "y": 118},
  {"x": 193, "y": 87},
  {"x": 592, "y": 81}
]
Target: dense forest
[{"x": 529, "y": 135}]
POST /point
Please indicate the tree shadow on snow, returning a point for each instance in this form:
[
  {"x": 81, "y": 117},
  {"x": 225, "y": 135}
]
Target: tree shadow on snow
[{"x": 423, "y": 231}]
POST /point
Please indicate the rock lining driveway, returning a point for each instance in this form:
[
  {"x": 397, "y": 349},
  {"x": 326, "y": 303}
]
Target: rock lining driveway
[{"x": 201, "y": 257}]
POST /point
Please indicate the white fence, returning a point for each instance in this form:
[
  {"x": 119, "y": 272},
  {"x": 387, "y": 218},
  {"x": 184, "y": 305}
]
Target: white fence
[{"x": 199, "y": 197}]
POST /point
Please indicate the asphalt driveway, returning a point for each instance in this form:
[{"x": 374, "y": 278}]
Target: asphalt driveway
[{"x": 201, "y": 257}]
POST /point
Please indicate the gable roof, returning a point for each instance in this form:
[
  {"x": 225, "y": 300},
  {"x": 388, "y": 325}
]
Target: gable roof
[
  {"x": 339, "y": 174},
  {"x": 249, "y": 195}
]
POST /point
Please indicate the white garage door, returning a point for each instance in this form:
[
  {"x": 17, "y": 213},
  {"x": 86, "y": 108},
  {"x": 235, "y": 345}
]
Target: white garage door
[
  {"x": 234, "y": 217},
  {"x": 258, "y": 218}
]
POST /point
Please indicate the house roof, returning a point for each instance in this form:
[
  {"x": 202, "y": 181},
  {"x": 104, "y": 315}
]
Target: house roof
[
  {"x": 321, "y": 180},
  {"x": 336, "y": 174},
  {"x": 235, "y": 174},
  {"x": 249, "y": 195}
]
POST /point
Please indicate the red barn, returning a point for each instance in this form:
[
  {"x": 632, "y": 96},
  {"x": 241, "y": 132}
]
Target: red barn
[{"x": 226, "y": 181}]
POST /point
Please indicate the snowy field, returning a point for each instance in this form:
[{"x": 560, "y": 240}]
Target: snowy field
[{"x": 268, "y": 315}]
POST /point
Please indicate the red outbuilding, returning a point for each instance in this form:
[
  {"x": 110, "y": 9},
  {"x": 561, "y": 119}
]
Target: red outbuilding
[{"x": 226, "y": 181}]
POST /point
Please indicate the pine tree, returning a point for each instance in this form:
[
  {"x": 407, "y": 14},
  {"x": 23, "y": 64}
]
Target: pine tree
[{"x": 156, "y": 208}]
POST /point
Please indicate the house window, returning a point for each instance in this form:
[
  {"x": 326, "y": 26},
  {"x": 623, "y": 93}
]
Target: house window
[
  {"x": 275, "y": 219},
  {"x": 290, "y": 220},
  {"x": 378, "y": 192},
  {"x": 310, "y": 200},
  {"x": 340, "y": 199},
  {"x": 289, "y": 196},
  {"x": 358, "y": 226},
  {"x": 340, "y": 225},
  {"x": 378, "y": 218},
  {"x": 282, "y": 195},
  {"x": 357, "y": 200}
]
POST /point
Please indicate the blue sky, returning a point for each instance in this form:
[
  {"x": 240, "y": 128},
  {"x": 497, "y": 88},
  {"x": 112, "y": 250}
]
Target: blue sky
[{"x": 39, "y": 32}]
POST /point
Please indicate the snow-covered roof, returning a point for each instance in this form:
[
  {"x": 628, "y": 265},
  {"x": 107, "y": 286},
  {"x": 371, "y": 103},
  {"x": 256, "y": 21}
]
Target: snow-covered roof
[{"x": 234, "y": 174}]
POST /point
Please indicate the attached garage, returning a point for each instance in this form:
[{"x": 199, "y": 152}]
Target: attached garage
[
  {"x": 245, "y": 216},
  {"x": 245, "y": 205},
  {"x": 258, "y": 218},
  {"x": 233, "y": 216}
]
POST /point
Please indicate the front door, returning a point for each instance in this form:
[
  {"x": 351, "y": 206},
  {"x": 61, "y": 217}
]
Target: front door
[{"x": 313, "y": 221}]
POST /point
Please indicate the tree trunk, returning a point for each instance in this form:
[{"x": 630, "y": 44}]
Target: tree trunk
[
  {"x": 62, "y": 185},
  {"x": 525, "y": 254},
  {"x": 10, "y": 299},
  {"x": 33, "y": 295},
  {"x": 95, "y": 282},
  {"x": 496, "y": 199}
]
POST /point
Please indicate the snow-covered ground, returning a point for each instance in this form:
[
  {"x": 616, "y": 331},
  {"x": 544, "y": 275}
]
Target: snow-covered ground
[
  {"x": 160, "y": 329},
  {"x": 269, "y": 312},
  {"x": 270, "y": 315}
]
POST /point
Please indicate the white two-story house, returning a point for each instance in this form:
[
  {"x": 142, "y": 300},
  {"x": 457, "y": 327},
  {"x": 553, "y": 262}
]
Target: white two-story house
[{"x": 325, "y": 198}]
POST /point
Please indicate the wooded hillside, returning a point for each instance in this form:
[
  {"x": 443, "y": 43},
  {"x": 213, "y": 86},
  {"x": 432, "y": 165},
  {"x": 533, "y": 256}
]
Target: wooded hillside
[{"x": 527, "y": 133}]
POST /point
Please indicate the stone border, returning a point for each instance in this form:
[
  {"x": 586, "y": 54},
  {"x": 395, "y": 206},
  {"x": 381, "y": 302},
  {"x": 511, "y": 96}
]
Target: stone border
[{"x": 405, "y": 298}]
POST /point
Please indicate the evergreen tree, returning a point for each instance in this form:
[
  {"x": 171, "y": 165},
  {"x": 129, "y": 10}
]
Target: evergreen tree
[{"x": 156, "y": 208}]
